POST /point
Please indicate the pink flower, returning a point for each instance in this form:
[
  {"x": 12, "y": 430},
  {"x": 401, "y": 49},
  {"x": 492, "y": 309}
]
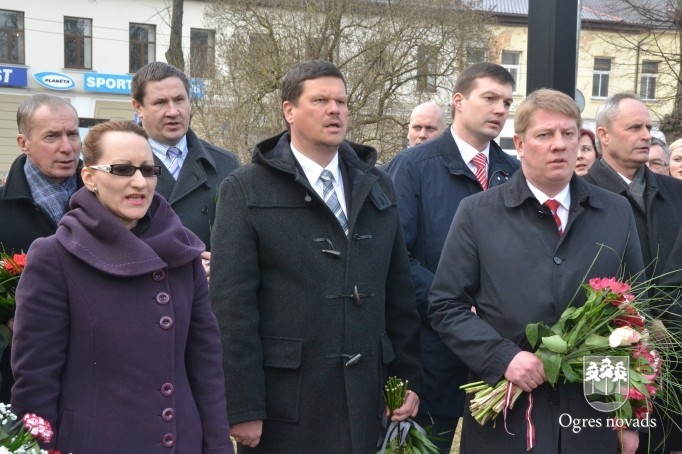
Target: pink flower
[
  {"x": 651, "y": 389},
  {"x": 641, "y": 412},
  {"x": 629, "y": 320},
  {"x": 38, "y": 427},
  {"x": 609, "y": 283},
  {"x": 635, "y": 394}
]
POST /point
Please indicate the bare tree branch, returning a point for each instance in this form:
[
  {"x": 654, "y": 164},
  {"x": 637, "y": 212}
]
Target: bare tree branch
[{"x": 394, "y": 55}]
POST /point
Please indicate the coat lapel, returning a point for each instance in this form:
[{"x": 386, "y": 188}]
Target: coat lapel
[{"x": 192, "y": 174}]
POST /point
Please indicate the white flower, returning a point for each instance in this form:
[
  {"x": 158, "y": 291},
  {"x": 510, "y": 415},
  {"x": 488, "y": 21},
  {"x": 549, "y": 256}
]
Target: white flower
[{"x": 623, "y": 336}]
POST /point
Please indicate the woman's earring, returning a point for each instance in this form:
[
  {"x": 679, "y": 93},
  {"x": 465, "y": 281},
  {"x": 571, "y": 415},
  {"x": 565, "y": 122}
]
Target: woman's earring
[{"x": 94, "y": 189}]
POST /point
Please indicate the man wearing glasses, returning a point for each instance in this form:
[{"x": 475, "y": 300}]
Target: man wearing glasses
[{"x": 659, "y": 157}]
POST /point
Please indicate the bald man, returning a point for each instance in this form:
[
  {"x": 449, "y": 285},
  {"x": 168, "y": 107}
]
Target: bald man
[{"x": 426, "y": 122}]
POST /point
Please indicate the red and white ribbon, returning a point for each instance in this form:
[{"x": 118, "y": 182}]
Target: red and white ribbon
[{"x": 530, "y": 427}]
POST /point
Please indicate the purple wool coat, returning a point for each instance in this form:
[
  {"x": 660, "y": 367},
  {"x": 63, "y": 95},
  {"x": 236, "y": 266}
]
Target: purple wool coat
[{"x": 115, "y": 342}]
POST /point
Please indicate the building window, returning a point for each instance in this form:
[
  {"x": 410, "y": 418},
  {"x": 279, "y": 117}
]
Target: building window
[
  {"x": 426, "y": 69},
  {"x": 512, "y": 61},
  {"x": 600, "y": 78},
  {"x": 142, "y": 45},
  {"x": 201, "y": 53},
  {"x": 77, "y": 43},
  {"x": 11, "y": 37},
  {"x": 647, "y": 88}
]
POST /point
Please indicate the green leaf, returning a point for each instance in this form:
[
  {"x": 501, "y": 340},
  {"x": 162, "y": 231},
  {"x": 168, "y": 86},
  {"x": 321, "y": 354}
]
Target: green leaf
[
  {"x": 532, "y": 334},
  {"x": 555, "y": 344},
  {"x": 596, "y": 341},
  {"x": 570, "y": 375},
  {"x": 552, "y": 364}
]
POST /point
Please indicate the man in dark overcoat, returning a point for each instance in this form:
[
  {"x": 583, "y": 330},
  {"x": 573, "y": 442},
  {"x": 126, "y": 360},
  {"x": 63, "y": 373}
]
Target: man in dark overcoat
[
  {"x": 192, "y": 169},
  {"x": 624, "y": 137},
  {"x": 508, "y": 257},
  {"x": 40, "y": 182},
  {"x": 311, "y": 283},
  {"x": 431, "y": 180}
]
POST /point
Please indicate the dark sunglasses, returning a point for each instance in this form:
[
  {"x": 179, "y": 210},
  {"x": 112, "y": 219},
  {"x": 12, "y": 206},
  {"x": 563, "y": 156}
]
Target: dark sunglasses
[{"x": 128, "y": 170}]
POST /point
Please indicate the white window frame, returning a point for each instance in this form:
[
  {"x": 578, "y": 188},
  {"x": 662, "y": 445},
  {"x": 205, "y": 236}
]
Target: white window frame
[
  {"x": 600, "y": 73},
  {"x": 647, "y": 80},
  {"x": 513, "y": 68}
]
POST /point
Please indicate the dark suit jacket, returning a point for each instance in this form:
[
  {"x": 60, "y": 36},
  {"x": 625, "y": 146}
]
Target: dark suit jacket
[
  {"x": 658, "y": 227},
  {"x": 193, "y": 196},
  {"x": 431, "y": 179},
  {"x": 503, "y": 255}
]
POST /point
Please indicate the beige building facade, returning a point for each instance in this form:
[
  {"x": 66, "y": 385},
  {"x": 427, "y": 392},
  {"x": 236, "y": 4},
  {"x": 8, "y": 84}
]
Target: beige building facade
[{"x": 87, "y": 52}]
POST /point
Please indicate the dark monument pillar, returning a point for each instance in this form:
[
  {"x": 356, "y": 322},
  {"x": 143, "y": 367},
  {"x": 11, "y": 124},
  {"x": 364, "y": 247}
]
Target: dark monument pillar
[{"x": 552, "y": 37}]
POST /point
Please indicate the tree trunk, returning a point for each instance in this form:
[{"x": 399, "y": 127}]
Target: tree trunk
[{"x": 174, "y": 55}]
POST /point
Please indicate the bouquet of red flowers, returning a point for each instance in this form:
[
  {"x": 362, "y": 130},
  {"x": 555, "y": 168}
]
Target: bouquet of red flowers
[
  {"x": 608, "y": 345},
  {"x": 10, "y": 271}
]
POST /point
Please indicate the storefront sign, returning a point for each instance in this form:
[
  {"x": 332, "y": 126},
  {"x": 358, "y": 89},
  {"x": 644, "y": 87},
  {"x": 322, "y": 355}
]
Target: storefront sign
[
  {"x": 13, "y": 76},
  {"x": 107, "y": 83},
  {"x": 54, "y": 81}
]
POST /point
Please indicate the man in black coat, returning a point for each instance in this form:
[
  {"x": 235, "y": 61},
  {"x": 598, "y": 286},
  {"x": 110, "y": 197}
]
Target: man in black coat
[
  {"x": 192, "y": 169},
  {"x": 624, "y": 137},
  {"x": 311, "y": 283},
  {"x": 517, "y": 263},
  {"x": 40, "y": 182},
  {"x": 431, "y": 180}
]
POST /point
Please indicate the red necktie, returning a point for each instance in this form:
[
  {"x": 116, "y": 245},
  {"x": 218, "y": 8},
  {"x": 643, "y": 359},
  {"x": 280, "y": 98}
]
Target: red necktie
[
  {"x": 480, "y": 161},
  {"x": 553, "y": 205}
]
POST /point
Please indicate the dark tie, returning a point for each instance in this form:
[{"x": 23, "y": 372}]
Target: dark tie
[
  {"x": 553, "y": 205},
  {"x": 330, "y": 198},
  {"x": 173, "y": 161},
  {"x": 480, "y": 161}
]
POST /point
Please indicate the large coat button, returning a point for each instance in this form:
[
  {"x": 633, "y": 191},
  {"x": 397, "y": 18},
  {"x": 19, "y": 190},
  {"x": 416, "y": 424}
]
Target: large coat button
[
  {"x": 166, "y": 322},
  {"x": 163, "y": 298},
  {"x": 168, "y": 414},
  {"x": 168, "y": 440},
  {"x": 159, "y": 275},
  {"x": 558, "y": 260},
  {"x": 167, "y": 389}
]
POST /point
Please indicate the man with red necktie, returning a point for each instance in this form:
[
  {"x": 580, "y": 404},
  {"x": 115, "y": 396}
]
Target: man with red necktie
[
  {"x": 518, "y": 262},
  {"x": 431, "y": 179}
]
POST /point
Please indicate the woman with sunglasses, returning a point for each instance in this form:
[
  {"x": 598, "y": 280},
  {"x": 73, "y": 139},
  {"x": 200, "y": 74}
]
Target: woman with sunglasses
[{"x": 115, "y": 342}]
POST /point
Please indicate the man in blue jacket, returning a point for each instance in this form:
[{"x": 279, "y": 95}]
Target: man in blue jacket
[{"x": 431, "y": 179}]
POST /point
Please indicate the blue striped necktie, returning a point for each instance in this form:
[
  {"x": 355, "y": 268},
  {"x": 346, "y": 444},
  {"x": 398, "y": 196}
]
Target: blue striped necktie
[
  {"x": 173, "y": 161},
  {"x": 330, "y": 198}
]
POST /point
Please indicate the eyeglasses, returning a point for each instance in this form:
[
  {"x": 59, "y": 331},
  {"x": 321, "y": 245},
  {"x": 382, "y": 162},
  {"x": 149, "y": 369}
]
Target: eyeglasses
[
  {"x": 128, "y": 170},
  {"x": 657, "y": 163}
]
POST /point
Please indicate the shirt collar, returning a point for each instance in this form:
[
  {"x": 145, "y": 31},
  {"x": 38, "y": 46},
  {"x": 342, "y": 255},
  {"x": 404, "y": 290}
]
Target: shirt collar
[
  {"x": 160, "y": 149},
  {"x": 467, "y": 151},
  {"x": 313, "y": 170},
  {"x": 563, "y": 197}
]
